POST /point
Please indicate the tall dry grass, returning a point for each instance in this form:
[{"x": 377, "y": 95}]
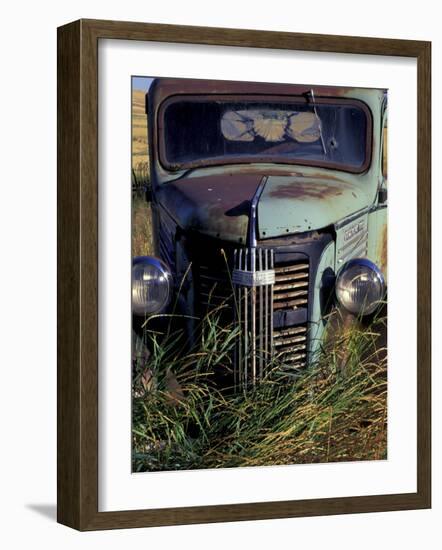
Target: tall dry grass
[
  {"x": 336, "y": 410},
  {"x": 139, "y": 131},
  {"x": 142, "y": 237}
]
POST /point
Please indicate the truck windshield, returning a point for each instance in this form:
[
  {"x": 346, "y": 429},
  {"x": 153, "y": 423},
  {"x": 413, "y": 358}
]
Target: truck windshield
[{"x": 206, "y": 131}]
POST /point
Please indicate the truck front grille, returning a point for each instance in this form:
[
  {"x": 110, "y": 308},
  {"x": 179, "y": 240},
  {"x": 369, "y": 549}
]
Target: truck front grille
[
  {"x": 267, "y": 297},
  {"x": 267, "y": 294}
]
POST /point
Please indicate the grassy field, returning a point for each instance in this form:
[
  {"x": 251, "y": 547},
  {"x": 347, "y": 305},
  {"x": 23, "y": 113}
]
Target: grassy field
[{"x": 335, "y": 411}]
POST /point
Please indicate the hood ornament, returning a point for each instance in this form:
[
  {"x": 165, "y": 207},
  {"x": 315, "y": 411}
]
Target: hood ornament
[{"x": 253, "y": 273}]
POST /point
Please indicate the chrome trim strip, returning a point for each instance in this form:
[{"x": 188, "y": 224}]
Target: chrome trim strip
[
  {"x": 253, "y": 238},
  {"x": 353, "y": 217},
  {"x": 354, "y": 242}
]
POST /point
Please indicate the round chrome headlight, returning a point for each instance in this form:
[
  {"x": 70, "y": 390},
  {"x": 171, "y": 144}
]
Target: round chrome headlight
[
  {"x": 151, "y": 285},
  {"x": 360, "y": 286}
]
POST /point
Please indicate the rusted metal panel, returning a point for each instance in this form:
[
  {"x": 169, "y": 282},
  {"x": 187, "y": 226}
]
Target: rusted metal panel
[
  {"x": 305, "y": 203},
  {"x": 217, "y": 206}
]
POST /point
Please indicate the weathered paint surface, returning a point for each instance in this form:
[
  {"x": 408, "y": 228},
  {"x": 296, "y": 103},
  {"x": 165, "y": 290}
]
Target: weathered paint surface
[
  {"x": 307, "y": 202},
  {"x": 217, "y": 206},
  {"x": 316, "y": 325},
  {"x": 378, "y": 239},
  {"x": 352, "y": 240}
]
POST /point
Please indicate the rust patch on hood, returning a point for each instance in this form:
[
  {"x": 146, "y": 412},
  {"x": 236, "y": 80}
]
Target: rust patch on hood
[
  {"x": 322, "y": 176},
  {"x": 305, "y": 191},
  {"x": 217, "y": 205},
  {"x": 308, "y": 202},
  {"x": 311, "y": 186}
]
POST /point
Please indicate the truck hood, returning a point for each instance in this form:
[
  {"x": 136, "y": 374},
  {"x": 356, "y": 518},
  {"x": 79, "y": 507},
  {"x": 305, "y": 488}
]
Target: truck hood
[
  {"x": 219, "y": 205},
  {"x": 307, "y": 202}
]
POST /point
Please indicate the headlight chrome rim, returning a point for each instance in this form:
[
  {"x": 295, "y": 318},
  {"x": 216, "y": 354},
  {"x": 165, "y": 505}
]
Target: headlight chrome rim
[
  {"x": 147, "y": 307},
  {"x": 363, "y": 310}
]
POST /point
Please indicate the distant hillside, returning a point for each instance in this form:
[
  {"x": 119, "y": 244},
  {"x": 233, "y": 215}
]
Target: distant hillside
[{"x": 140, "y": 161}]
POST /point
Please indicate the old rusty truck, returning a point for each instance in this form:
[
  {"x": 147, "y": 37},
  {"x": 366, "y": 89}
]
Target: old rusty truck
[{"x": 271, "y": 198}]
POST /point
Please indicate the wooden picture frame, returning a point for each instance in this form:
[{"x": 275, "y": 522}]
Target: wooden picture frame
[{"x": 78, "y": 274}]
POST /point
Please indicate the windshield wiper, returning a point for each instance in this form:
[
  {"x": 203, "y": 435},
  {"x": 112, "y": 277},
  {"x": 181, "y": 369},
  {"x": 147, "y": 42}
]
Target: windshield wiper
[{"x": 312, "y": 95}]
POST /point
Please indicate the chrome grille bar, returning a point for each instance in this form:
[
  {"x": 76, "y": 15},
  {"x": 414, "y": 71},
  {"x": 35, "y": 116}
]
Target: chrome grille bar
[
  {"x": 261, "y": 318},
  {"x": 246, "y": 324},
  {"x": 272, "y": 266},
  {"x": 268, "y": 310},
  {"x": 253, "y": 316},
  {"x": 237, "y": 320},
  {"x": 253, "y": 278}
]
